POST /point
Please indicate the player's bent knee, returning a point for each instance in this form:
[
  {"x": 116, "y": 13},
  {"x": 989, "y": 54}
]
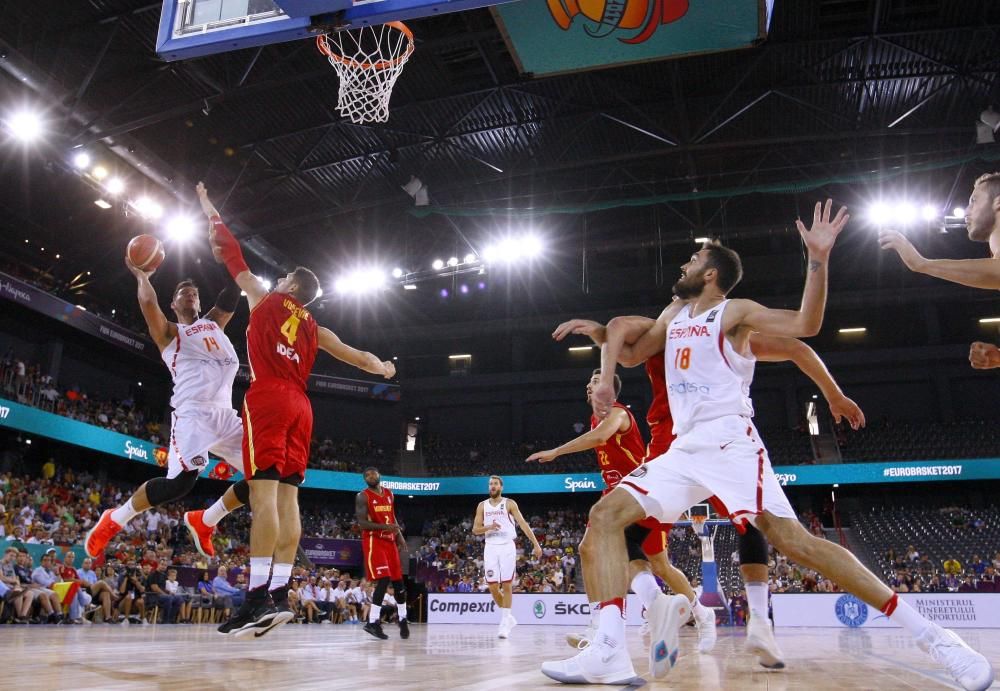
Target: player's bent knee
[{"x": 162, "y": 490}]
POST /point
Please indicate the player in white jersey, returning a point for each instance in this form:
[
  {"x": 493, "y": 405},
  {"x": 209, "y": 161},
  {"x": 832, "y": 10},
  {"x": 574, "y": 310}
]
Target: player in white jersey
[
  {"x": 709, "y": 368},
  {"x": 203, "y": 364},
  {"x": 495, "y": 518}
]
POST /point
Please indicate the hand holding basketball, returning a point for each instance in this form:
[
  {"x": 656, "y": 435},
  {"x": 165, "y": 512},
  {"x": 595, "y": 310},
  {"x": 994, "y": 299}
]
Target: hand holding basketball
[{"x": 144, "y": 254}]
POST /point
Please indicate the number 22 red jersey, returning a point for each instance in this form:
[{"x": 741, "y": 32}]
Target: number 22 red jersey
[
  {"x": 282, "y": 341},
  {"x": 621, "y": 453},
  {"x": 381, "y": 509}
]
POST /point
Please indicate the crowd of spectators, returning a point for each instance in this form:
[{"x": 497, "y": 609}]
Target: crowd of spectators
[{"x": 451, "y": 557}]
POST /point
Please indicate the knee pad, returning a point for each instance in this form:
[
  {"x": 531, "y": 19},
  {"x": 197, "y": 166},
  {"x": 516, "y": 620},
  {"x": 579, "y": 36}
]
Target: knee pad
[
  {"x": 161, "y": 490},
  {"x": 242, "y": 491},
  {"x": 752, "y": 547}
]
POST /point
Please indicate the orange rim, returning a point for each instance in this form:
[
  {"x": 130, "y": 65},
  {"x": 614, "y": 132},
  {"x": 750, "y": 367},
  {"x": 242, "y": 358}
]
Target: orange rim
[{"x": 324, "y": 48}]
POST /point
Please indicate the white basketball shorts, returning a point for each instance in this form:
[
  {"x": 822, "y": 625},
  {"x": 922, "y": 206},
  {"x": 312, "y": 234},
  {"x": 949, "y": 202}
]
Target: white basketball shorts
[
  {"x": 499, "y": 562},
  {"x": 196, "y": 431},
  {"x": 724, "y": 457}
]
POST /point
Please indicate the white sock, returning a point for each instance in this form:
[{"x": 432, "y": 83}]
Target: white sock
[
  {"x": 644, "y": 585},
  {"x": 260, "y": 571},
  {"x": 595, "y": 607},
  {"x": 504, "y": 613},
  {"x": 757, "y": 599},
  {"x": 374, "y": 614},
  {"x": 215, "y": 513},
  {"x": 909, "y": 619},
  {"x": 698, "y": 609},
  {"x": 401, "y": 610},
  {"x": 124, "y": 513},
  {"x": 612, "y": 623},
  {"x": 279, "y": 576}
]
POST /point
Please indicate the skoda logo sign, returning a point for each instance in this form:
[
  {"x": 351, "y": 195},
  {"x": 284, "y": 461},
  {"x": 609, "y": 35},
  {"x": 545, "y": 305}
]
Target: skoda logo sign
[
  {"x": 538, "y": 609},
  {"x": 851, "y": 611}
]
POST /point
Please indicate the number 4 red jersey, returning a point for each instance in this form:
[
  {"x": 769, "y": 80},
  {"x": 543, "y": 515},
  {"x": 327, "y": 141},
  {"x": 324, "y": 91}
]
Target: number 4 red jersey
[{"x": 282, "y": 340}]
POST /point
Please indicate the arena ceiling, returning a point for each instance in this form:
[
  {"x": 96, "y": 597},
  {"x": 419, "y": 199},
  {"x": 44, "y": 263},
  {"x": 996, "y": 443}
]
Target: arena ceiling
[{"x": 840, "y": 90}]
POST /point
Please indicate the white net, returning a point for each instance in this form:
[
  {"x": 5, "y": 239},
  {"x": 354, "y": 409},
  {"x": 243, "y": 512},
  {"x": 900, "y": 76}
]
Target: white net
[{"x": 368, "y": 61}]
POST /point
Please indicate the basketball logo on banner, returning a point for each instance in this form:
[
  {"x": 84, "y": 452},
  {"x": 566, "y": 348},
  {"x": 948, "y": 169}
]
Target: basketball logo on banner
[
  {"x": 611, "y": 17},
  {"x": 851, "y": 611}
]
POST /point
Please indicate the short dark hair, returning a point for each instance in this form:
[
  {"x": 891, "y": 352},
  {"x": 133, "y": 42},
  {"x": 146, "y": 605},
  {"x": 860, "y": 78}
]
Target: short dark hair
[
  {"x": 371, "y": 467},
  {"x": 306, "y": 285},
  {"x": 991, "y": 183},
  {"x": 186, "y": 283},
  {"x": 727, "y": 264},
  {"x": 618, "y": 381}
]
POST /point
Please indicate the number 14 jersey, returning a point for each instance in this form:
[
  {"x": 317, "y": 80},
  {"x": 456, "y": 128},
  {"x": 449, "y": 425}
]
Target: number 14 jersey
[
  {"x": 706, "y": 378},
  {"x": 282, "y": 340},
  {"x": 202, "y": 364}
]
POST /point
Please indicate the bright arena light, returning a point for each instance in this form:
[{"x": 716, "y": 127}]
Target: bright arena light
[
  {"x": 99, "y": 172},
  {"x": 879, "y": 213},
  {"x": 513, "y": 249},
  {"x": 958, "y": 211},
  {"x": 928, "y": 212},
  {"x": 397, "y": 273},
  {"x": 267, "y": 284},
  {"x": 906, "y": 213},
  {"x": 25, "y": 125},
  {"x": 81, "y": 159},
  {"x": 453, "y": 261},
  {"x": 469, "y": 258},
  {"x": 361, "y": 282},
  {"x": 180, "y": 228},
  {"x": 147, "y": 208},
  {"x": 115, "y": 185},
  {"x": 437, "y": 264}
]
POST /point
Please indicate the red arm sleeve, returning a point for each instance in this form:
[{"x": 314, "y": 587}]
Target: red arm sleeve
[{"x": 232, "y": 255}]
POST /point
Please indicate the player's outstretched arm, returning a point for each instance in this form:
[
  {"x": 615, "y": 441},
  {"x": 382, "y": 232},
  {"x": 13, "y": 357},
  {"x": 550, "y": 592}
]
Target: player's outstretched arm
[
  {"x": 613, "y": 423},
  {"x": 225, "y": 305},
  {"x": 363, "y": 360},
  {"x": 808, "y": 319},
  {"x": 581, "y": 327},
  {"x": 525, "y": 528},
  {"x": 975, "y": 273},
  {"x": 776, "y": 349},
  {"x": 160, "y": 329},
  {"x": 226, "y": 250}
]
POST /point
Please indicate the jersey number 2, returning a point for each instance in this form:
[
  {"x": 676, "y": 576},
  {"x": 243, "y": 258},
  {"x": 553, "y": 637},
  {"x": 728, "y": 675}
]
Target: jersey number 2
[
  {"x": 290, "y": 329},
  {"x": 682, "y": 358}
]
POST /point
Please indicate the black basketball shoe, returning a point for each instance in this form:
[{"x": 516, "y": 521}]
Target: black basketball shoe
[
  {"x": 375, "y": 629},
  {"x": 404, "y": 629}
]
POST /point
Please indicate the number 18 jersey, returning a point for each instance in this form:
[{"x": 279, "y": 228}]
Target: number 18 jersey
[
  {"x": 706, "y": 377},
  {"x": 282, "y": 340}
]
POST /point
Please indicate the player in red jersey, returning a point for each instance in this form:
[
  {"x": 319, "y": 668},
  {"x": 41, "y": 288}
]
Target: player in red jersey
[
  {"x": 381, "y": 543},
  {"x": 620, "y": 450},
  {"x": 282, "y": 342},
  {"x": 751, "y": 544}
]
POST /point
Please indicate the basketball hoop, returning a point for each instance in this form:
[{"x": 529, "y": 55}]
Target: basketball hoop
[{"x": 368, "y": 61}]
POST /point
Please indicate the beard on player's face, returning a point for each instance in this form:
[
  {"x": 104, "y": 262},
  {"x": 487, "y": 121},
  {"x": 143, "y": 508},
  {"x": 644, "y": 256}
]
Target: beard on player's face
[
  {"x": 980, "y": 221},
  {"x": 372, "y": 480},
  {"x": 690, "y": 285},
  {"x": 495, "y": 492}
]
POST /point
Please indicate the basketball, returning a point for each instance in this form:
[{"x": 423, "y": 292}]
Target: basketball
[{"x": 145, "y": 252}]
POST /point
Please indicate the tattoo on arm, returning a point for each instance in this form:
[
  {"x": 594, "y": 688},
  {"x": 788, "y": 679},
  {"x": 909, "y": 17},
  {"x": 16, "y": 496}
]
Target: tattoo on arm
[{"x": 814, "y": 265}]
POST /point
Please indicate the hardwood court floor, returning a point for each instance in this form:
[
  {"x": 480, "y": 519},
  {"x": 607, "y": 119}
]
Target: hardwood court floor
[{"x": 438, "y": 657}]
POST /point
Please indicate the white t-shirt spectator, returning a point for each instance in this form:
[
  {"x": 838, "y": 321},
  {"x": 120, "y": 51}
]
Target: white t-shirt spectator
[
  {"x": 307, "y": 593},
  {"x": 153, "y": 520},
  {"x": 172, "y": 587},
  {"x": 557, "y": 578},
  {"x": 339, "y": 596}
]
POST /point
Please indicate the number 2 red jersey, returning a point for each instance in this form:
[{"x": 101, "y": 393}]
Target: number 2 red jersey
[
  {"x": 282, "y": 340},
  {"x": 661, "y": 424},
  {"x": 621, "y": 453},
  {"x": 381, "y": 509}
]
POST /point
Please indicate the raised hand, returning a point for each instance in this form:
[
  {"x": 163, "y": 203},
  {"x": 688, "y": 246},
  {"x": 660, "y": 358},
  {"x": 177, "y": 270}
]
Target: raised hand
[
  {"x": 602, "y": 399},
  {"x": 844, "y": 407},
  {"x": 984, "y": 355},
  {"x": 894, "y": 240},
  {"x": 581, "y": 327},
  {"x": 820, "y": 238},
  {"x": 136, "y": 271},
  {"x": 388, "y": 370}
]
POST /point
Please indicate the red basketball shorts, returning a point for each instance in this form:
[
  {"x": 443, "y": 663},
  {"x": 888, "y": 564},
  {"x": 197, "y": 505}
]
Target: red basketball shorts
[
  {"x": 381, "y": 559},
  {"x": 277, "y": 429}
]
